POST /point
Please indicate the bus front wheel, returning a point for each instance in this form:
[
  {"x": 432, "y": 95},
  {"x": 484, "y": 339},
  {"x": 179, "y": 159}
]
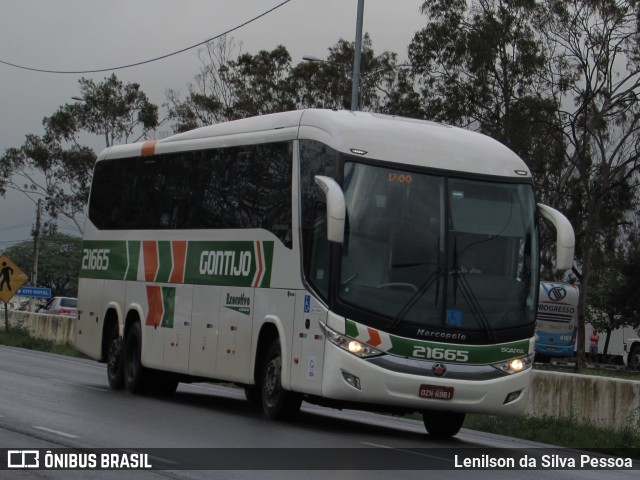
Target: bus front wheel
[
  {"x": 277, "y": 403},
  {"x": 443, "y": 424}
]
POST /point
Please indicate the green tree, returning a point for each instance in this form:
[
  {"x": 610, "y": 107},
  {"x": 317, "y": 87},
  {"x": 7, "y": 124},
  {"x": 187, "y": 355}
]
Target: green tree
[
  {"x": 59, "y": 263},
  {"x": 607, "y": 305},
  {"x": 481, "y": 65},
  {"x": 111, "y": 109},
  {"x": 327, "y": 83},
  {"x": 595, "y": 77},
  {"x": 43, "y": 168},
  {"x": 56, "y": 166},
  {"x": 233, "y": 85},
  {"x": 229, "y": 87}
]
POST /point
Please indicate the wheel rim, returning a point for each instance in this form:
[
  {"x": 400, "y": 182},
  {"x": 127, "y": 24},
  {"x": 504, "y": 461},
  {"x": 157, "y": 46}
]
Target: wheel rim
[
  {"x": 271, "y": 382},
  {"x": 114, "y": 363}
]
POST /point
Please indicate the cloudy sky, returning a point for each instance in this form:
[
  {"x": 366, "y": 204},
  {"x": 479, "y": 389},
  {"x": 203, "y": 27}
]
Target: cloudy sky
[{"x": 74, "y": 35}]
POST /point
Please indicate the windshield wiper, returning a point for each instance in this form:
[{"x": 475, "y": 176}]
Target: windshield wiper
[
  {"x": 435, "y": 276},
  {"x": 473, "y": 302}
]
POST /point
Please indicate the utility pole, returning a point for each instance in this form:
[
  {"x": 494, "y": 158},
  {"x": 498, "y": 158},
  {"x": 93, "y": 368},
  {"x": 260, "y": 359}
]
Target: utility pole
[
  {"x": 36, "y": 252},
  {"x": 357, "y": 56}
]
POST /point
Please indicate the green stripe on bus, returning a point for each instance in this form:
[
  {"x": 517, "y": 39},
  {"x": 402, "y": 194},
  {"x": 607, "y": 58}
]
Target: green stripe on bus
[
  {"x": 439, "y": 351},
  {"x": 133, "y": 248},
  {"x": 456, "y": 353},
  {"x": 268, "y": 263},
  {"x": 227, "y": 263},
  {"x": 165, "y": 262},
  {"x": 104, "y": 259},
  {"x": 169, "y": 304}
]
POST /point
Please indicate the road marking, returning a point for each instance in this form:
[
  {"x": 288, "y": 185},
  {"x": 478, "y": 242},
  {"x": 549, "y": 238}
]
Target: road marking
[
  {"x": 56, "y": 432},
  {"x": 78, "y": 385}
]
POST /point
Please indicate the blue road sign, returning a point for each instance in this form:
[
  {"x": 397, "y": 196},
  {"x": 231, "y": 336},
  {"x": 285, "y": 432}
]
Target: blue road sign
[{"x": 35, "y": 292}]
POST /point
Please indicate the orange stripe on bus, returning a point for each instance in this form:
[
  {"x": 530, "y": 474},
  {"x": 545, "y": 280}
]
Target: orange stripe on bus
[
  {"x": 374, "y": 337},
  {"x": 179, "y": 249},
  {"x": 148, "y": 148},
  {"x": 150, "y": 251},
  {"x": 260, "y": 272},
  {"x": 156, "y": 309}
]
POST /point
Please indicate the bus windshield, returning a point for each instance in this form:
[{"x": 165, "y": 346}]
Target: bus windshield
[{"x": 438, "y": 252}]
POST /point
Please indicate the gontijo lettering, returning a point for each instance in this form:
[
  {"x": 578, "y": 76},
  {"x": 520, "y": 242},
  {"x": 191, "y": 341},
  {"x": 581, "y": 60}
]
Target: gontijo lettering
[{"x": 226, "y": 262}]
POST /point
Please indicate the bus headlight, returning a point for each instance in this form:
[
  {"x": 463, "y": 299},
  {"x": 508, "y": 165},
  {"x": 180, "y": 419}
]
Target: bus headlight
[
  {"x": 349, "y": 344},
  {"x": 515, "y": 365}
]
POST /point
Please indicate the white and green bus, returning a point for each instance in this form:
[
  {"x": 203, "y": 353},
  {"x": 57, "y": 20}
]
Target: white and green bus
[{"x": 344, "y": 258}]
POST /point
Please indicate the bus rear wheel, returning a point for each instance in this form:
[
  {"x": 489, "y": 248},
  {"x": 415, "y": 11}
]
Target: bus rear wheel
[
  {"x": 115, "y": 367},
  {"x": 134, "y": 373},
  {"x": 443, "y": 424},
  {"x": 277, "y": 403}
]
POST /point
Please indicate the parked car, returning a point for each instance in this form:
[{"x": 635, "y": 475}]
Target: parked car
[{"x": 66, "y": 306}]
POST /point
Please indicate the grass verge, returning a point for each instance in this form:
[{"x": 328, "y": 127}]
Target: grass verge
[
  {"x": 563, "y": 432},
  {"x": 20, "y": 337}
]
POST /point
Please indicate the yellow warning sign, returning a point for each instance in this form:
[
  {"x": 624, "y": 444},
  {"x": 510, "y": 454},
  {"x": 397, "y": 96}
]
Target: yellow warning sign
[{"x": 11, "y": 279}]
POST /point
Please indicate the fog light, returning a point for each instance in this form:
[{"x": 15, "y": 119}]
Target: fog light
[
  {"x": 512, "y": 397},
  {"x": 351, "y": 380}
]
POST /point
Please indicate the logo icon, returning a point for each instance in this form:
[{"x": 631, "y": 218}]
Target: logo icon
[
  {"x": 557, "y": 293},
  {"x": 439, "y": 370},
  {"x": 23, "y": 459}
]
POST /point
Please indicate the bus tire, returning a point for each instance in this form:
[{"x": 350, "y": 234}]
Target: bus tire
[
  {"x": 443, "y": 424},
  {"x": 115, "y": 367},
  {"x": 634, "y": 359},
  {"x": 277, "y": 403},
  {"x": 135, "y": 375}
]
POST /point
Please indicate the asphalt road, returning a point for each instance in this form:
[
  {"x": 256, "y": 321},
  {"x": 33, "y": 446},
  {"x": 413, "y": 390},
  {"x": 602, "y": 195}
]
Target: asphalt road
[{"x": 52, "y": 402}]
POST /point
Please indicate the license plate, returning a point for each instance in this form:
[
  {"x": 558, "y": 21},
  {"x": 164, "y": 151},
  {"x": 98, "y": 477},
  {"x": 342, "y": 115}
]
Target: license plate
[{"x": 436, "y": 392}]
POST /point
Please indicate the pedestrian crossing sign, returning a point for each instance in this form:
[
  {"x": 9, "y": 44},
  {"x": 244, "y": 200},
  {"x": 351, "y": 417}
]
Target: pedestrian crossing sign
[{"x": 11, "y": 278}]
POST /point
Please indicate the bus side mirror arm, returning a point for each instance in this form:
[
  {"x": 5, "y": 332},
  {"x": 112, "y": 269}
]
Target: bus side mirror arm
[
  {"x": 336, "y": 208},
  {"x": 565, "y": 238}
]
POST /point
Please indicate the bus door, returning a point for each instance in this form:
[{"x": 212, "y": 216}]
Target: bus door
[
  {"x": 308, "y": 345},
  {"x": 205, "y": 318}
]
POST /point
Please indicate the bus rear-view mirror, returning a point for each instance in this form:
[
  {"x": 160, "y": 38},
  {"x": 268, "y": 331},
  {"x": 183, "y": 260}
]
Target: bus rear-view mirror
[
  {"x": 336, "y": 208},
  {"x": 565, "y": 238}
]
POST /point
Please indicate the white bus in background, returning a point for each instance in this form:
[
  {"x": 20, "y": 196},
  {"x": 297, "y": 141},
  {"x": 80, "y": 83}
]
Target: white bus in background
[
  {"x": 557, "y": 320},
  {"x": 345, "y": 258}
]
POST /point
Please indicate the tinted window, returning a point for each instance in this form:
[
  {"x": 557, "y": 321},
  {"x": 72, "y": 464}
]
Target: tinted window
[
  {"x": 236, "y": 187},
  {"x": 315, "y": 159}
]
